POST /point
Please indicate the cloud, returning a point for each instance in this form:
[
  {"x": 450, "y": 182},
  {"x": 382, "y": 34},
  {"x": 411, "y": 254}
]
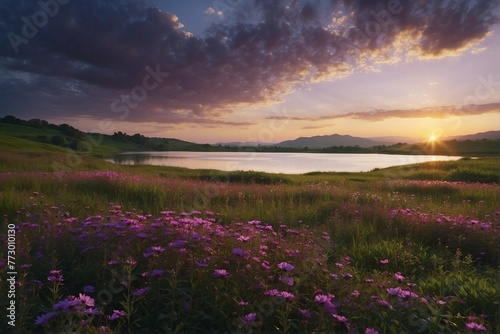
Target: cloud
[
  {"x": 91, "y": 53},
  {"x": 209, "y": 10},
  {"x": 212, "y": 11},
  {"x": 428, "y": 112}
]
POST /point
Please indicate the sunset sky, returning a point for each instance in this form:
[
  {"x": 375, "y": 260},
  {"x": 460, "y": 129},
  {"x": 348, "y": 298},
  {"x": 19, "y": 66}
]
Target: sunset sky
[{"x": 232, "y": 70}]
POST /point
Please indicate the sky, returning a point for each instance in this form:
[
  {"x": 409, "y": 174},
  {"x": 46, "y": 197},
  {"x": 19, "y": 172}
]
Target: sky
[{"x": 264, "y": 71}]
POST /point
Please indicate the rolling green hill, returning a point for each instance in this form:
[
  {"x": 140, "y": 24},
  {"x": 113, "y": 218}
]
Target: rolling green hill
[
  {"x": 90, "y": 143},
  {"x": 8, "y": 143}
]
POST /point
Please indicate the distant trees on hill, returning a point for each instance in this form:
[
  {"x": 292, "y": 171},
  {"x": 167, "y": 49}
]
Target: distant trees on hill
[{"x": 72, "y": 137}]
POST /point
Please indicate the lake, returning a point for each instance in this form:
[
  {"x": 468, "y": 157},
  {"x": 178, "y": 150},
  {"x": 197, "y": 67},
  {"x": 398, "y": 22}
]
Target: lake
[{"x": 288, "y": 163}]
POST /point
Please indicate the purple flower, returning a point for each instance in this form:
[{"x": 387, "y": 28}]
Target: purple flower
[
  {"x": 305, "y": 313},
  {"x": 64, "y": 305},
  {"x": 384, "y": 303},
  {"x": 243, "y": 303},
  {"x": 56, "y": 276},
  {"x": 220, "y": 273},
  {"x": 371, "y": 331},
  {"x": 355, "y": 293},
  {"x": 238, "y": 251},
  {"x": 158, "y": 249},
  {"x": 285, "y": 266},
  {"x": 441, "y": 302},
  {"x": 249, "y": 318},
  {"x": 157, "y": 273},
  {"x": 321, "y": 299},
  {"x": 177, "y": 243},
  {"x": 330, "y": 307},
  {"x": 475, "y": 327},
  {"x": 384, "y": 261},
  {"x": 88, "y": 289},
  {"x": 288, "y": 281},
  {"x": 148, "y": 254},
  {"x": 405, "y": 294},
  {"x": 44, "y": 318},
  {"x": 393, "y": 291},
  {"x": 142, "y": 291},
  {"x": 116, "y": 315},
  {"x": 112, "y": 263}
]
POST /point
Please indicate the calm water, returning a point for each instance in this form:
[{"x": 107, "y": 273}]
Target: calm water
[{"x": 289, "y": 163}]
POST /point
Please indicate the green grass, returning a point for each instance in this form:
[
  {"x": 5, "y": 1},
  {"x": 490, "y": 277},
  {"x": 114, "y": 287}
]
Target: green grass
[{"x": 440, "y": 234}]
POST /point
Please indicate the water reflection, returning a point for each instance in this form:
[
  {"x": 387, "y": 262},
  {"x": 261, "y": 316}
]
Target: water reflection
[{"x": 289, "y": 163}]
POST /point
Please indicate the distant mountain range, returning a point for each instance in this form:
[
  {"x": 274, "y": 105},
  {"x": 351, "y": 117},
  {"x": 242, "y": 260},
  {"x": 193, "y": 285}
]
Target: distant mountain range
[
  {"x": 246, "y": 143},
  {"x": 318, "y": 142},
  {"x": 478, "y": 136},
  {"x": 328, "y": 141}
]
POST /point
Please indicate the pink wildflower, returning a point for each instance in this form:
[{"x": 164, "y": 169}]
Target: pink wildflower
[
  {"x": 287, "y": 295},
  {"x": 475, "y": 327},
  {"x": 399, "y": 277},
  {"x": 321, "y": 299},
  {"x": 221, "y": 273},
  {"x": 116, "y": 315}
]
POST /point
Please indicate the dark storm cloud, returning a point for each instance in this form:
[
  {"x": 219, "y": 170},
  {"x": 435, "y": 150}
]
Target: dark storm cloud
[{"x": 90, "y": 56}]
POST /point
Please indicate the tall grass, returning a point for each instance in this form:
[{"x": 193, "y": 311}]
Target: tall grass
[{"x": 368, "y": 239}]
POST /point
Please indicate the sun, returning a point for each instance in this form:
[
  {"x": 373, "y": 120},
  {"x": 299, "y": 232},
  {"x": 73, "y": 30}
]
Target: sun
[{"x": 432, "y": 139}]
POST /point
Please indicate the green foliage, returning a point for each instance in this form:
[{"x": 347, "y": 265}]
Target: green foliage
[{"x": 246, "y": 177}]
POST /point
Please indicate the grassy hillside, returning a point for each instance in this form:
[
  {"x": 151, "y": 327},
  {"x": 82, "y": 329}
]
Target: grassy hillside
[
  {"x": 13, "y": 144},
  {"x": 99, "y": 144}
]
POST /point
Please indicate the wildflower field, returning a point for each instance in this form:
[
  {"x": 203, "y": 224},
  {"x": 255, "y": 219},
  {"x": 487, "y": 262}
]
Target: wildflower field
[{"x": 117, "y": 249}]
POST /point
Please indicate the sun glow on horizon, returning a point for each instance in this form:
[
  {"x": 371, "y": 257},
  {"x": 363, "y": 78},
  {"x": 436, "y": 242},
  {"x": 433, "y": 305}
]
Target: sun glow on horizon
[{"x": 432, "y": 139}]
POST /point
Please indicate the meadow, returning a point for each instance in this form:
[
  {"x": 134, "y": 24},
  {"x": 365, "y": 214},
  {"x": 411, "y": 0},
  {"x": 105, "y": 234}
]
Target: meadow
[{"x": 102, "y": 248}]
